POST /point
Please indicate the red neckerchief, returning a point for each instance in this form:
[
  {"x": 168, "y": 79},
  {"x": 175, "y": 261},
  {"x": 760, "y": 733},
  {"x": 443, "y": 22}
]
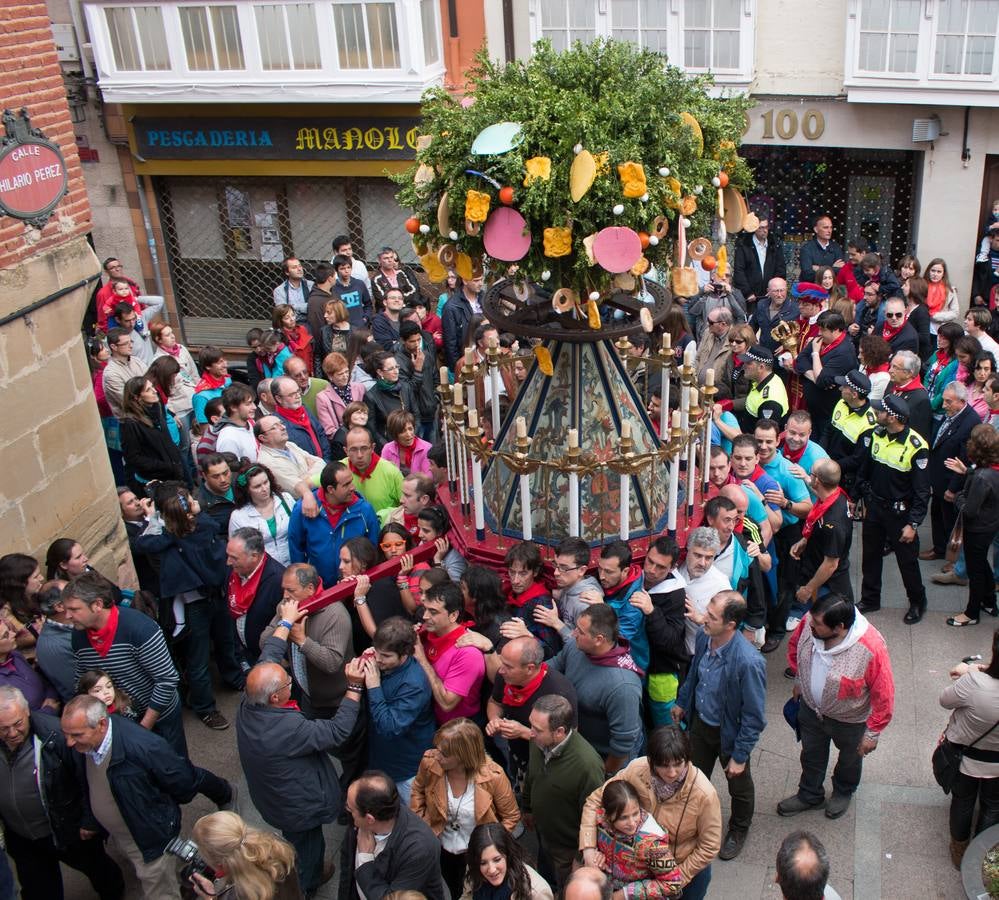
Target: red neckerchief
[
  {"x": 102, "y": 639},
  {"x": 335, "y": 510},
  {"x": 298, "y": 338},
  {"x": 161, "y": 394},
  {"x": 936, "y": 296},
  {"x": 435, "y": 647},
  {"x": 793, "y": 456},
  {"x": 411, "y": 524},
  {"x": 369, "y": 471},
  {"x": 518, "y": 696},
  {"x": 300, "y": 417},
  {"x": 241, "y": 593},
  {"x": 173, "y": 351},
  {"x": 291, "y": 704},
  {"x": 818, "y": 511},
  {"x": 995, "y": 466},
  {"x": 209, "y": 382},
  {"x": 618, "y": 658},
  {"x": 942, "y": 359},
  {"x": 518, "y": 600},
  {"x": 890, "y": 331},
  {"x": 882, "y": 368},
  {"x": 633, "y": 574},
  {"x": 406, "y": 454},
  {"x": 833, "y": 345},
  {"x": 758, "y": 473},
  {"x": 913, "y": 385}
]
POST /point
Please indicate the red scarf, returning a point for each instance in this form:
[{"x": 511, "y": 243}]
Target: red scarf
[
  {"x": 633, "y": 574},
  {"x": 758, "y": 473},
  {"x": 818, "y": 511},
  {"x": 291, "y": 704},
  {"x": 411, "y": 524},
  {"x": 102, "y": 639},
  {"x": 518, "y": 696},
  {"x": 335, "y": 510},
  {"x": 936, "y": 296},
  {"x": 209, "y": 382},
  {"x": 913, "y": 385},
  {"x": 174, "y": 351},
  {"x": 890, "y": 331},
  {"x": 882, "y": 368},
  {"x": 300, "y": 417},
  {"x": 793, "y": 456},
  {"x": 519, "y": 600},
  {"x": 618, "y": 658},
  {"x": 369, "y": 471},
  {"x": 161, "y": 394},
  {"x": 406, "y": 454},
  {"x": 942, "y": 359},
  {"x": 298, "y": 338},
  {"x": 241, "y": 593},
  {"x": 435, "y": 647},
  {"x": 833, "y": 345}
]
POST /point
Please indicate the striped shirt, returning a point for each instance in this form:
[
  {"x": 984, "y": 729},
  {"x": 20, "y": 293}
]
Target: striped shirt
[{"x": 138, "y": 662}]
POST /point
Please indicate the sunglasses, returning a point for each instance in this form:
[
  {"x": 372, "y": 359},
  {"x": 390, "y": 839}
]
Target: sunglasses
[
  {"x": 392, "y": 545},
  {"x": 894, "y": 315}
]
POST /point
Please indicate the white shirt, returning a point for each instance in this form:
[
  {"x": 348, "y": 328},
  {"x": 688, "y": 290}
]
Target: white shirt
[
  {"x": 237, "y": 440},
  {"x": 460, "y": 819},
  {"x": 761, "y": 252},
  {"x": 101, "y": 752},
  {"x": 700, "y": 591},
  {"x": 989, "y": 345}
]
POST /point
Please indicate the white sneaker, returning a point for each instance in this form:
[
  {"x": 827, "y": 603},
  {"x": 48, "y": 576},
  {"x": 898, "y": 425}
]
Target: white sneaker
[{"x": 791, "y": 623}]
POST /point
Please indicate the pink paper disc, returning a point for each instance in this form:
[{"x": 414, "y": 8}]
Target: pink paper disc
[
  {"x": 617, "y": 249},
  {"x": 505, "y": 236}
]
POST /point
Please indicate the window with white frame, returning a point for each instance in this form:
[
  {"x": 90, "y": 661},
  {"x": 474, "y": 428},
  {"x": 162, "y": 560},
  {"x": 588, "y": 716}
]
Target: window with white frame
[
  {"x": 564, "y": 22},
  {"x": 431, "y": 32},
  {"x": 966, "y": 37},
  {"x": 212, "y": 40},
  {"x": 367, "y": 35},
  {"x": 641, "y": 21},
  {"x": 288, "y": 36},
  {"x": 138, "y": 38},
  {"x": 711, "y": 34},
  {"x": 889, "y": 36}
]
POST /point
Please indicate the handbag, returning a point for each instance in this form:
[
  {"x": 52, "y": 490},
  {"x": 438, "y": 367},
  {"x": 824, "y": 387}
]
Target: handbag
[
  {"x": 956, "y": 541},
  {"x": 947, "y": 759}
]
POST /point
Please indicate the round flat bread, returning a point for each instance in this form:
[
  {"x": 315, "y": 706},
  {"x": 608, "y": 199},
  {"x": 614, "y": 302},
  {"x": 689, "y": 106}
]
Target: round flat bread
[
  {"x": 506, "y": 236},
  {"x": 617, "y": 249}
]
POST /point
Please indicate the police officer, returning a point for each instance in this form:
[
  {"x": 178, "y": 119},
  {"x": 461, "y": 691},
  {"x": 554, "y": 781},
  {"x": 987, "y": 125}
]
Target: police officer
[
  {"x": 895, "y": 484},
  {"x": 852, "y": 418},
  {"x": 767, "y": 398}
]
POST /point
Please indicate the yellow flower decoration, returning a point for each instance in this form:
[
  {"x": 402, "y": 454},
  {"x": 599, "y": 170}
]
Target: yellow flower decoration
[
  {"x": 476, "y": 206},
  {"x": 632, "y": 179},
  {"x": 603, "y": 162},
  {"x": 538, "y": 168},
  {"x": 557, "y": 242},
  {"x": 722, "y": 257},
  {"x": 688, "y": 205},
  {"x": 673, "y": 186}
]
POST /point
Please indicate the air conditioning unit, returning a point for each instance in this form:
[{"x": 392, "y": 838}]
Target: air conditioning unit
[{"x": 924, "y": 130}]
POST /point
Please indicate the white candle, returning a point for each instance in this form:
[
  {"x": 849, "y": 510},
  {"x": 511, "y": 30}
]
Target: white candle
[
  {"x": 689, "y": 352},
  {"x": 667, "y": 342},
  {"x": 473, "y": 419},
  {"x": 445, "y": 377},
  {"x": 625, "y": 507},
  {"x": 626, "y": 429},
  {"x": 573, "y": 504},
  {"x": 693, "y": 398},
  {"x": 691, "y": 467},
  {"x": 494, "y": 382},
  {"x": 479, "y": 506},
  {"x": 469, "y": 356},
  {"x": 684, "y": 413},
  {"x": 525, "y": 506},
  {"x": 707, "y": 456},
  {"x": 709, "y": 378},
  {"x": 674, "y": 482},
  {"x": 573, "y": 438},
  {"x": 448, "y": 453},
  {"x": 663, "y": 402},
  {"x": 458, "y": 393},
  {"x": 521, "y": 427}
]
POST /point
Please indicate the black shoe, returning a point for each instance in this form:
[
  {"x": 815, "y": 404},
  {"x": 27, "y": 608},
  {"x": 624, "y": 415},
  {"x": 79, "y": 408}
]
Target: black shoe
[
  {"x": 838, "y": 804},
  {"x": 914, "y": 615},
  {"x": 789, "y": 672},
  {"x": 992, "y": 611},
  {"x": 732, "y": 845},
  {"x": 771, "y": 644},
  {"x": 866, "y": 606}
]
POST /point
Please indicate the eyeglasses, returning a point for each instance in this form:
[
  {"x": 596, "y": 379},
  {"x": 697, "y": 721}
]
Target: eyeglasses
[
  {"x": 291, "y": 395},
  {"x": 900, "y": 315},
  {"x": 563, "y": 569},
  {"x": 390, "y": 545}
]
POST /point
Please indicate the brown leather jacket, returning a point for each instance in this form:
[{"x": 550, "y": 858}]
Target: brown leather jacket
[
  {"x": 494, "y": 800},
  {"x": 691, "y": 818}
]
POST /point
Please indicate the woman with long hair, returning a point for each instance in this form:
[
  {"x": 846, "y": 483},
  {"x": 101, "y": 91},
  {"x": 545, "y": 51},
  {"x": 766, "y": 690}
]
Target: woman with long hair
[
  {"x": 966, "y": 349},
  {"x": 333, "y": 400},
  {"x": 874, "y": 353},
  {"x": 973, "y": 697},
  {"x": 175, "y": 389},
  {"x": 457, "y": 788},
  {"x": 433, "y": 524},
  {"x": 97, "y": 683},
  {"x": 637, "y": 854},
  {"x": 166, "y": 344},
  {"x": 941, "y": 297},
  {"x": 257, "y": 865},
  {"x": 676, "y": 325},
  {"x": 21, "y": 580},
  {"x": 358, "y": 340},
  {"x": 274, "y": 353},
  {"x": 485, "y": 602},
  {"x": 497, "y": 868},
  {"x": 65, "y": 559},
  {"x": 150, "y": 437},
  {"x": 452, "y": 284},
  {"x": 404, "y": 449},
  {"x": 260, "y": 504},
  {"x": 374, "y": 601},
  {"x": 917, "y": 315},
  {"x": 943, "y": 364},
  {"x": 297, "y": 337},
  {"x": 984, "y": 367},
  {"x": 355, "y": 415},
  {"x": 908, "y": 266}
]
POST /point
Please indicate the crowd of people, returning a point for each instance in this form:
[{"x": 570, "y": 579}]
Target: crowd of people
[{"x": 438, "y": 707}]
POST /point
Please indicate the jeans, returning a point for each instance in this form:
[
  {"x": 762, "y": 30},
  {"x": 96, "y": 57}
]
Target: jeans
[
  {"x": 981, "y": 581},
  {"x": 171, "y": 728},
  {"x": 967, "y": 789},
  {"x": 816, "y": 734},
  {"x": 706, "y": 748},
  {"x": 697, "y": 887},
  {"x": 310, "y": 849},
  {"x": 38, "y": 871},
  {"x": 208, "y": 621}
]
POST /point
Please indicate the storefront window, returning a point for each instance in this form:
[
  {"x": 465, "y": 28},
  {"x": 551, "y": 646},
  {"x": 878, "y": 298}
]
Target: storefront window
[
  {"x": 889, "y": 35},
  {"x": 138, "y": 39},
  {"x": 288, "y": 36},
  {"x": 966, "y": 37},
  {"x": 711, "y": 34},
  {"x": 211, "y": 38},
  {"x": 367, "y": 35}
]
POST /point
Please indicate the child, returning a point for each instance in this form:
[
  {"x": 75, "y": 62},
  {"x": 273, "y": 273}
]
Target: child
[{"x": 98, "y": 684}]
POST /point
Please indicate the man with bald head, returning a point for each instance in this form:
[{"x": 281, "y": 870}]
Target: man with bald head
[
  {"x": 294, "y": 469},
  {"x": 588, "y": 883},
  {"x": 824, "y": 548},
  {"x": 296, "y": 368},
  {"x": 803, "y": 868},
  {"x": 375, "y": 479},
  {"x": 285, "y": 757}
]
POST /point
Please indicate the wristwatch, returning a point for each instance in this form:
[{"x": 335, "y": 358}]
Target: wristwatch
[{"x": 360, "y": 601}]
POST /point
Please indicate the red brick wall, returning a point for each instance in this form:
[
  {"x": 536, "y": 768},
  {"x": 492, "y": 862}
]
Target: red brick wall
[{"x": 30, "y": 77}]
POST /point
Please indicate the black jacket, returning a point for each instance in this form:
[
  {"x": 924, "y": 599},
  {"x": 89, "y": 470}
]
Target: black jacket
[
  {"x": 425, "y": 382},
  {"x": 947, "y": 444},
  {"x": 979, "y": 501},
  {"x": 264, "y": 606},
  {"x": 410, "y": 860},
  {"x": 822, "y": 395},
  {"x": 188, "y": 563},
  {"x": 747, "y": 275},
  {"x": 147, "y": 567},
  {"x": 456, "y": 315},
  {"x": 148, "y": 781},
  {"x": 381, "y": 402},
  {"x": 920, "y": 411},
  {"x": 906, "y": 339},
  {"x": 665, "y": 627},
  {"x": 149, "y": 451}
]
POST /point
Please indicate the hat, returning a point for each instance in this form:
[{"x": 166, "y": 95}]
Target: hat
[
  {"x": 856, "y": 381},
  {"x": 894, "y": 405},
  {"x": 809, "y": 292},
  {"x": 759, "y": 354}
]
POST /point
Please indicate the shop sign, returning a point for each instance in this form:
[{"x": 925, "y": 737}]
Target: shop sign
[
  {"x": 293, "y": 138},
  {"x": 33, "y": 175}
]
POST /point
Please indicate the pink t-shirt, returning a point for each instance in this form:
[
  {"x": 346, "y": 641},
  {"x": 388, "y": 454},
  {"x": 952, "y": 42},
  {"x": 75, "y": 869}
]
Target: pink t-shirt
[{"x": 462, "y": 670}]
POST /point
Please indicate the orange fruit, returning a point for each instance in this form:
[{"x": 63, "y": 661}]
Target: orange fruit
[
  {"x": 709, "y": 263},
  {"x": 643, "y": 236},
  {"x": 723, "y": 178},
  {"x": 506, "y": 196},
  {"x": 412, "y": 225}
]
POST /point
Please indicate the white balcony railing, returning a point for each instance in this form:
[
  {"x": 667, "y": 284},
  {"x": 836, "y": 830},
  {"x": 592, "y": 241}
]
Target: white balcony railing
[
  {"x": 922, "y": 51},
  {"x": 245, "y": 50}
]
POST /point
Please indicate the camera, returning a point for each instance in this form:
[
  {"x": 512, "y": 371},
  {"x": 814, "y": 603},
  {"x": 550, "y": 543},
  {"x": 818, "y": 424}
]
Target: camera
[{"x": 187, "y": 852}]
